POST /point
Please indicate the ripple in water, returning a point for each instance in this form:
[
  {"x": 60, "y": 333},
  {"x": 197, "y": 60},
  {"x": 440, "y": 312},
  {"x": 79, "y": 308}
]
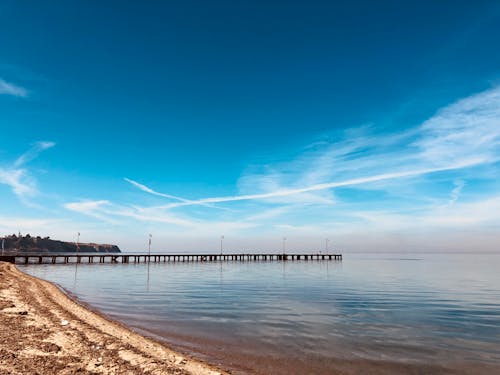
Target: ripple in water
[{"x": 305, "y": 316}]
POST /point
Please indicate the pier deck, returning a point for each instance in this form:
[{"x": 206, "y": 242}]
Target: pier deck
[{"x": 54, "y": 258}]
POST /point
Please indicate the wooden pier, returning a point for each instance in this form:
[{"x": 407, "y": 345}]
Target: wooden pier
[{"x": 54, "y": 258}]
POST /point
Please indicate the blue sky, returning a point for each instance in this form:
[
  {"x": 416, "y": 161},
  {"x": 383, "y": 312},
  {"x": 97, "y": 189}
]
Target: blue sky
[{"x": 374, "y": 125}]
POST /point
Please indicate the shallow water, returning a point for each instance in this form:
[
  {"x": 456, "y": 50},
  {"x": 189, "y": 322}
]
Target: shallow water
[{"x": 256, "y": 316}]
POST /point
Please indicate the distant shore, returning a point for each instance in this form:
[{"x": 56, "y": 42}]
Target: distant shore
[
  {"x": 18, "y": 244},
  {"x": 44, "y": 331}
]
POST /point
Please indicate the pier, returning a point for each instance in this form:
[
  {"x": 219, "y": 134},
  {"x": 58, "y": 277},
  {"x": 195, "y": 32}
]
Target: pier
[{"x": 89, "y": 258}]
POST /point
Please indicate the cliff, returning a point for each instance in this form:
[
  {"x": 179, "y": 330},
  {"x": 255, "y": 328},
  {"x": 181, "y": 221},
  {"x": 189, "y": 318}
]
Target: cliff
[{"x": 28, "y": 244}]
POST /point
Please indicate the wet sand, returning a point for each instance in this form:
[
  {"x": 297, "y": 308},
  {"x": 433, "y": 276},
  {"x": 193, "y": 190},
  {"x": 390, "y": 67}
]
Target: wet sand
[{"x": 42, "y": 331}]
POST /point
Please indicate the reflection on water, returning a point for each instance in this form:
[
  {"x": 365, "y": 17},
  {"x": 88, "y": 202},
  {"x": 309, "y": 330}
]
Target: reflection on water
[{"x": 408, "y": 308}]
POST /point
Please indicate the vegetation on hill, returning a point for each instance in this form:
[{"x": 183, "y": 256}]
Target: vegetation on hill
[{"x": 29, "y": 244}]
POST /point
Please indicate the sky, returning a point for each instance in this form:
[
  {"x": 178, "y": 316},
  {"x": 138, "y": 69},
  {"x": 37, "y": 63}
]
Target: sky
[{"x": 375, "y": 125}]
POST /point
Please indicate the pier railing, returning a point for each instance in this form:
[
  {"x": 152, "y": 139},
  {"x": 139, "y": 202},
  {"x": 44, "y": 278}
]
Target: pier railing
[{"x": 55, "y": 258}]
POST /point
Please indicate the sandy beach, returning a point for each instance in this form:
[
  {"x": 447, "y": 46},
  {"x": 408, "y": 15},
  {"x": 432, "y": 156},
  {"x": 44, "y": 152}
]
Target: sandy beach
[{"x": 42, "y": 331}]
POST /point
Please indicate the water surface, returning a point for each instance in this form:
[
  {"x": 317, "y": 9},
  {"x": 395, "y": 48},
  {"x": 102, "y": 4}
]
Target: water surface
[{"x": 298, "y": 317}]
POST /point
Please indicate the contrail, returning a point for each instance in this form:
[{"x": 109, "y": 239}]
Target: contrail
[
  {"x": 185, "y": 202},
  {"x": 325, "y": 186},
  {"x": 151, "y": 191}
]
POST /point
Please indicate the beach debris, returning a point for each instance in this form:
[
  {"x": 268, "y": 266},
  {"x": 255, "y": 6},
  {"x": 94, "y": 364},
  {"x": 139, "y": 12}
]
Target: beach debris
[
  {"x": 64, "y": 322},
  {"x": 50, "y": 347},
  {"x": 180, "y": 361},
  {"x": 23, "y": 312},
  {"x": 98, "y": 362}
]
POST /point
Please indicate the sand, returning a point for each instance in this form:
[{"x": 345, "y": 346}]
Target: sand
[{"x": 42, "y": 331}]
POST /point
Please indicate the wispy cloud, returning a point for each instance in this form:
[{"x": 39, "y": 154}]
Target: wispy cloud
[
  {"x": 119, "y": 215},
  {"x": 19, "y": 181},
  {"x": 462, "y": 135},
  {"x": 110, "y": 212},
  {"x": 12, "y": 223},
  {"x": 455, "y": 216},
  {"x": 366, "y": 168},
  {"x": 18, "y": 178},
  {"x": 331, "y": 185},
  {"x": 87, "y": 207},
  {"x": 147, "y": 189},
  {"x": 457, "y": 190},
  {"x": 469, "y": 128},
  {"x": 8, "y": 88},
  {"x": 33, "y": 153},
  {"x": 96, "y": 209}
]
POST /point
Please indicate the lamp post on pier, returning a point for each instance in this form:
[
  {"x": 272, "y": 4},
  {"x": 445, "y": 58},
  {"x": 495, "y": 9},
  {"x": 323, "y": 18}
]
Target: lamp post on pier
[
  {"x": 221, "y": 240},
  {"x": 284, "y": 247},
  {"x": 326, "y": 245},
  {"x": 149, "y": 247},
  {"x": 77, "y": 242}
]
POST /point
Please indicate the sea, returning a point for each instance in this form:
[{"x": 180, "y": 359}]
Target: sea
[{"x": 298, "y": 317}]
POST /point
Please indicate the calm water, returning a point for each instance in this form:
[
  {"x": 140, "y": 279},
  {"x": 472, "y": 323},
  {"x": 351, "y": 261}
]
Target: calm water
[{"x": 427, "y": 308}]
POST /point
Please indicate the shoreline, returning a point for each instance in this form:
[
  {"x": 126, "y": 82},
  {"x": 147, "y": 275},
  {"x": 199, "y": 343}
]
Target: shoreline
[{"x": 43, "y": 330}]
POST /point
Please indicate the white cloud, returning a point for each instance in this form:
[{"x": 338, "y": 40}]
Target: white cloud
[
  {"x": 159, "y": 221},
  {"x": 296, "y": 196},
  {"x": 467, "y": 129},
  {"x": 33, "y": 153},
  {"x": 462, "y": 135},
  {"x": 110, "y": 212},
  {"x": 12, "y": 89},
  {"x": 330, "y": 185},
  {"x": 268, "y": 214},
  {"x": 147, "y": 189},
  {"x": 13, "y": 224},
  {"x": 457, "y": 216},
  {"x": 19, "y": 179},
  {"x": 97, "y": 209},
  {"x": 87, "y": 207},
  {"x": 457, "y": 190}
]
